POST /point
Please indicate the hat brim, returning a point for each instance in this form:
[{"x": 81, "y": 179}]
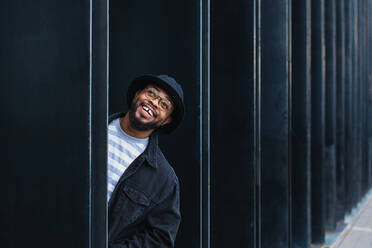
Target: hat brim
[{"x": 141, "y": 82}]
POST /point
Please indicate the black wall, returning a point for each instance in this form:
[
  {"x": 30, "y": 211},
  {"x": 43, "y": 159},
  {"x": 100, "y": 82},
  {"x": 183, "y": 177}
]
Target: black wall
[
  {"x": 233, "y": 117},
  {"x": 44, "y": 108},
  {"x": 275, "y": 147},
  {"x": 301, "y": 123}
]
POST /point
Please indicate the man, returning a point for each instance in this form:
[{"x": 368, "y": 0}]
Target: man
[{"x": 143, "y": 190}]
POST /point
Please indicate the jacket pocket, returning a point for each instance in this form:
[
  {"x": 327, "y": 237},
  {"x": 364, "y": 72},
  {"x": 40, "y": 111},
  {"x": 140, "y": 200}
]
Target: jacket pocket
[{"x": 133, "y": 205}]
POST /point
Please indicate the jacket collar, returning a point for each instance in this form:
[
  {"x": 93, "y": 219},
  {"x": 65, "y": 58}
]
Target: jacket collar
[{"x": 150, "y": 153}]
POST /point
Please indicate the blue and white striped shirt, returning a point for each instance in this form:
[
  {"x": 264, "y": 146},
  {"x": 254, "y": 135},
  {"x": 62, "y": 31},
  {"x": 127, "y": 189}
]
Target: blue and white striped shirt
[{"x": 122, "y": 150}]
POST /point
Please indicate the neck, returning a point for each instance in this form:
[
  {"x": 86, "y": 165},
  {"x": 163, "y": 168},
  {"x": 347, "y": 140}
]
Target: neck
[{"x": 128, "y": 129}]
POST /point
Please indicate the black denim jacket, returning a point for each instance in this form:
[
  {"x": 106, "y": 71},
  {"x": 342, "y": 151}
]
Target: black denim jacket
[{"x": 143, "y": 210}]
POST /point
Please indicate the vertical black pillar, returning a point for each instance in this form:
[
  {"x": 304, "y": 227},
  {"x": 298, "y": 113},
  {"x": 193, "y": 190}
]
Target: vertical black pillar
[
  {"x": 330, "y": 112},
  {"x": 233, "y": 117},
  {"x": 275, "y": 117},
  {"x": 340, "y": 110},
  {"x": 359, "y": 97},
  {"x": 360, "y": 94},
  {"x": 369, "y": 89},
  {"x": 366, "y": 88},
  {"x": 317, "y": 121},
  {"x": 53, "y": 125},
  {"x": 204, "y": 125},
  {"x": 365, "y": 96},
  {"x": 301, "y": 123},
  {"x": 362, "y": 18},
  {"x": 98, "y": 122},
  {"x": 356, "y": 168},
  {"x": 362, "y": 57},
  {"x": 348, "y": 107},
  {"x": 353, "y": 165},
  {"x": 365, "y": 73}
]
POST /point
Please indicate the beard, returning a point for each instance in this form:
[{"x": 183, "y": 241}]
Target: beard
[{"x": 136, "y": 123}]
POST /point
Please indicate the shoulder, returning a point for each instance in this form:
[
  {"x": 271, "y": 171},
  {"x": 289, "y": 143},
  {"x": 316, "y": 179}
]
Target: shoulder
[{"x": 115, "y": 116}]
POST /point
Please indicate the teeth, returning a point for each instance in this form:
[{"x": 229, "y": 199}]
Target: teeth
[{"x": 147, "y": 110}]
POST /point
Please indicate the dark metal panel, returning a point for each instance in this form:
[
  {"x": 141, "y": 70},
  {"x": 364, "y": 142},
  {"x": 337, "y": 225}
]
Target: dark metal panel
[
  {"x": 366, "y": 94},
  {"x": 205, "y": 119},
  {"x": 98, "y": 123},
  {"x": 275, "y": 83},
  {"x": 369, "y": 89},
  {"x": 301, "y": 123},
  {"x": 360, "y": 94},
  {"x": 356, "y": 166},
  {"x": 330, "y": 132},
  {"x": 232, "y": 124},
  {"x": 366, "y": 100},
  {"x": 348, "y": 109},
  {"x": 362, "y": 90},
  {"x": 352, "y": 163},
  {"x": 44, "y": 95},
  {"x": 359, "y": 118},
  {"x": 340, "y": 101},
  {"x": 366, "y": 70},
  {"x": 317, "y": 121},
  {"x": 159, "y": 37}
]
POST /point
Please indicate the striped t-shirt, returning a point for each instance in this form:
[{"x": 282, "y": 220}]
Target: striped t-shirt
[{"x": 122, "y": 150}]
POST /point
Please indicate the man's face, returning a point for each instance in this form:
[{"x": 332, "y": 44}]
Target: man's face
[{"x": 151, "y": 108}]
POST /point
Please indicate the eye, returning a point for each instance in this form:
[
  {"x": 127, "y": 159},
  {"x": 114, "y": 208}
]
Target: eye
[
  {"x": 151, "y": 93},
  {"x": 164, "y": 105}
]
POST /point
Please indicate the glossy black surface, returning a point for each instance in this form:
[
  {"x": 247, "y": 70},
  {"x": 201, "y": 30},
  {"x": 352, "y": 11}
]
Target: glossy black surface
[
  {"x": 348, "y": 109},
  {"x": 98, "y": 123},
  {"x": 362, "y": 96},
  {"x": 369, "y": 90},
  {"x": 204, "y": 124},
  {"x": 275, "y": 119},
  {"x": 301, "y": 123},
  {"x": 340, "y": 109},
  {"x": 233, "y": 93},
  {"x": 355, "y": 166},
  {"x": 317, "y": 121},
  {"x": 330, "y": 112},
  {"x": 278, "y": 115},
  {"x": 44, "y": 95}
]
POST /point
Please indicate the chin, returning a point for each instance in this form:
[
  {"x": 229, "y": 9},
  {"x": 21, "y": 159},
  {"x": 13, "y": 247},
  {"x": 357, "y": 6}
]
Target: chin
[
  {"x": 139, "y": 122},
  {"x": 140, "y": 118}
]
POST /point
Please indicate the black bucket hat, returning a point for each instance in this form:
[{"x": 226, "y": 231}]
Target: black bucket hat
[{"x": 173, "y": 89}]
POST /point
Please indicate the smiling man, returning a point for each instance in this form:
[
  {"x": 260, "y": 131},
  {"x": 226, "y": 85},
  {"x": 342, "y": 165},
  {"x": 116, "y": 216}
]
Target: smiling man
[{"x": 143, "y": 189}]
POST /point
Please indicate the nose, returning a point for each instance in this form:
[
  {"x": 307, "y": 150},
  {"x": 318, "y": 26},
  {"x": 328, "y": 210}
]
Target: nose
[{"x": 156, "y": 104}]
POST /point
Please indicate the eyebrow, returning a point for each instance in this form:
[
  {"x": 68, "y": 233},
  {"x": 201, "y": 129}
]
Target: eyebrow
[{"x": 158, "y": 90}]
